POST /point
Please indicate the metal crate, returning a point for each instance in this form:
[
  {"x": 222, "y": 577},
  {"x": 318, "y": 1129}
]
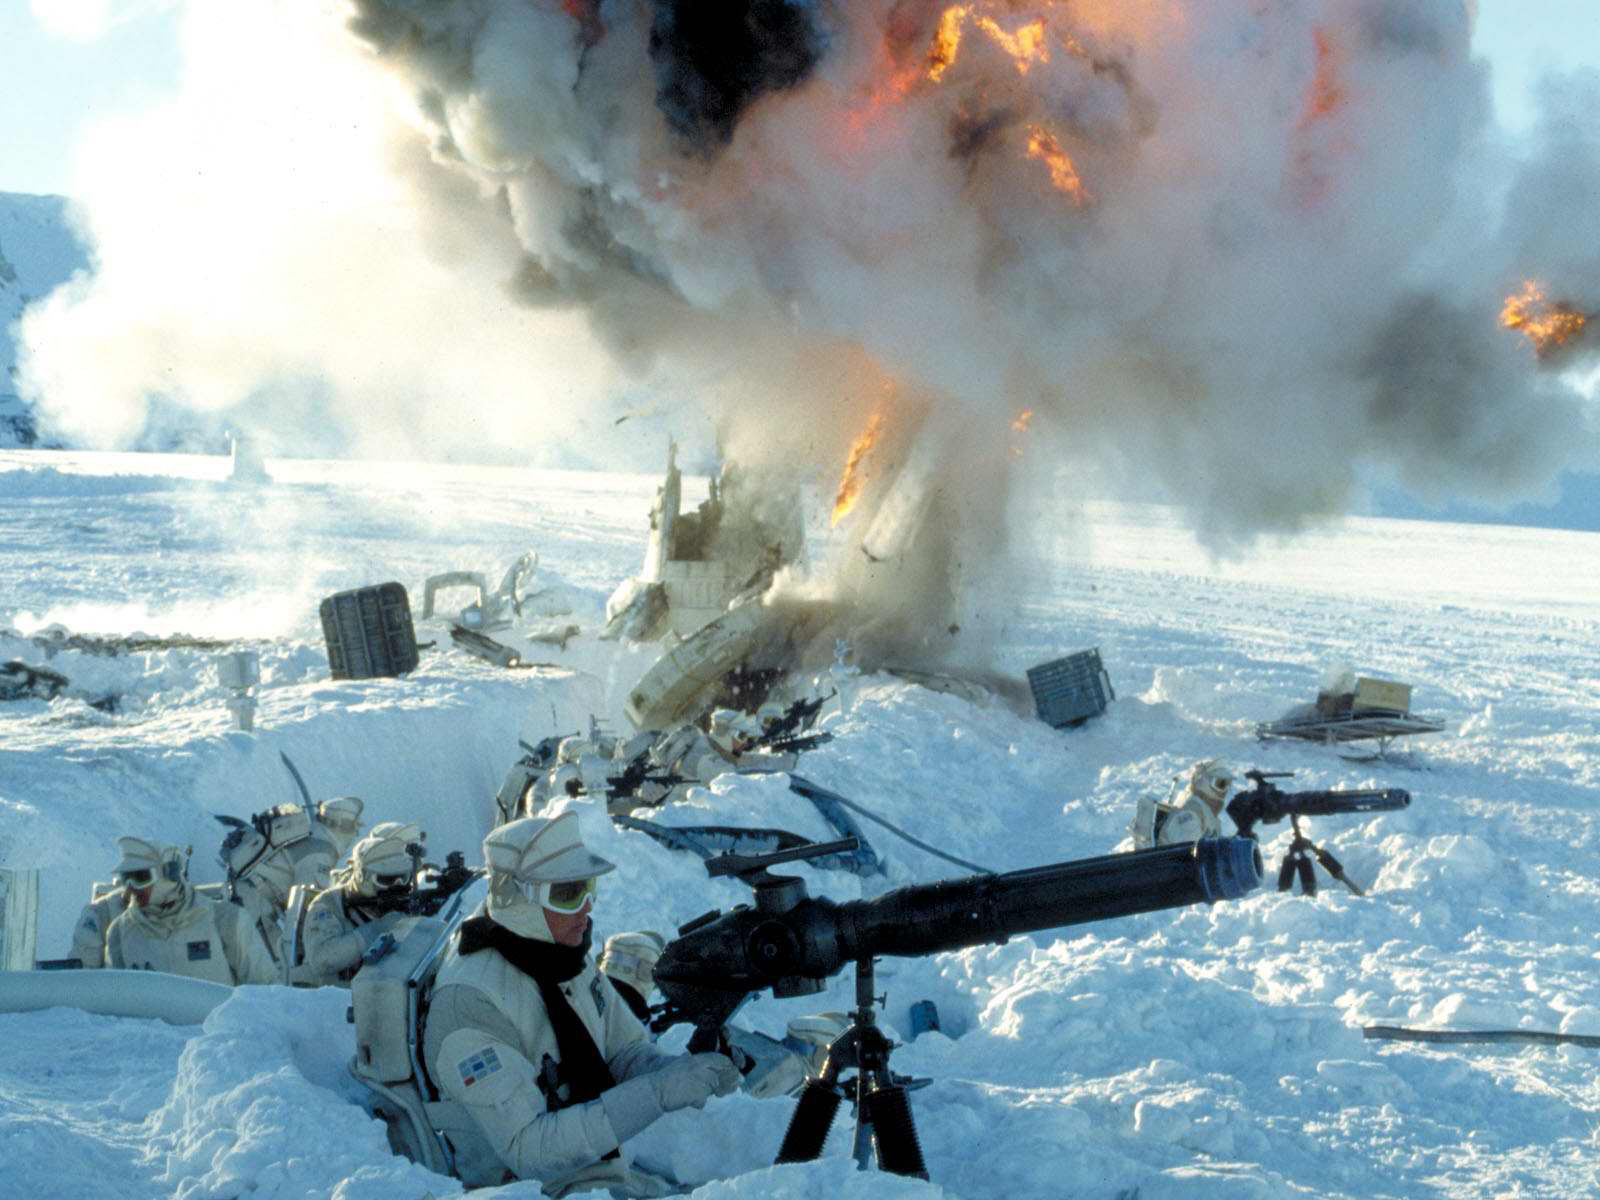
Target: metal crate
[
  {"x": 1068, "y": 691},
  {"x": 369, "y": 632}
]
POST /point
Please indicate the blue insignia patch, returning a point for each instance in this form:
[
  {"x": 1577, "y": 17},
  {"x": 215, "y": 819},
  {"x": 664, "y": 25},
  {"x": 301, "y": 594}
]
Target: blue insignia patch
[
  {"x": 476, "y": 1067},
  {"x": 598, "y": 991},
  {"x": 200, "y": 951}
]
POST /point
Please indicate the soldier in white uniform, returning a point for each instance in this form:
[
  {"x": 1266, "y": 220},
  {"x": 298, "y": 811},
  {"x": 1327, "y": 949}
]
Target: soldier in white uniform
[
  {"x": 343, "y": 922},
  {"x": 551, "y": 1068},
  {"x": 283, "y": 847},
  {"x": 168, "y": 927},
  {"x": 1194, "y": 812},
  {"x": 94, "y": 922},
  {"x": 340, "y": 817}
]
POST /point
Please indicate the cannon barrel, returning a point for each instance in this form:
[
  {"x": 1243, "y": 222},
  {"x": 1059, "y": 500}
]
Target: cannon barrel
[
  {"x": 792, "y": 943},
  {"x": 1268, "y": 804}
]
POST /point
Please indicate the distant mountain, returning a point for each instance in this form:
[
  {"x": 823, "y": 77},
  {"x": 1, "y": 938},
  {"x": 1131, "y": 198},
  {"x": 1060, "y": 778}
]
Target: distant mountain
[{"x": 39, "y": 250}]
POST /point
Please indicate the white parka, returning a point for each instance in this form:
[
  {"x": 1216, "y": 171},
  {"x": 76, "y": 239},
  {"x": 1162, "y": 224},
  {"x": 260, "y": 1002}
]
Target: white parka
[
  {"x": 486, "y": 1040},
  {"x": 94, "y": 922},
  {"x": 194, "y": 936},
  {"x": 336, "y": 935}
]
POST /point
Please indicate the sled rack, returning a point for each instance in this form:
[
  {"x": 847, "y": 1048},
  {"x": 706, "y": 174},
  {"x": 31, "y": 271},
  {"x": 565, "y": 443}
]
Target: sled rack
[{"x": 1353, "y": 727}]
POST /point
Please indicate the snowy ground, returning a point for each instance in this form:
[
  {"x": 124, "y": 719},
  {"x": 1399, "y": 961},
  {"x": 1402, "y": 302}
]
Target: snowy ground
[{"x": 1208, "y": 1053}]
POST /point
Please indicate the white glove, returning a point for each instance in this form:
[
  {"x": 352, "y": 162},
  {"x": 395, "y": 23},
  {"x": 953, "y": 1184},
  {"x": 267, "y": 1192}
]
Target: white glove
[
  {"x": 689, "y": 1081},
  {"x": 682, "y": 1083}
]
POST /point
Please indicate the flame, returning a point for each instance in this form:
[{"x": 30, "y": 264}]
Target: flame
[
  {"x": 1326, "y": 93},
  {"x": 850, "y": 482},
  {"x": 1025, "y": 45},
  {"x": 947, "y": 40},
  {"x": 1024, "y": 419},
  {"x": 1042, "y": 145},
  {"x": 1549, "y": 325}
]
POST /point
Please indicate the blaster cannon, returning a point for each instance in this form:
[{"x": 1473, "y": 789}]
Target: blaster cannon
[
  {"x": 793, "y": 943},
  {"x": 1266, "y": 803}
]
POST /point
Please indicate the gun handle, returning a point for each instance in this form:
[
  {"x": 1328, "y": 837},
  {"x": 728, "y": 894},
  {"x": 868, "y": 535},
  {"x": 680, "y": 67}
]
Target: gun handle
[{"x": 707, "y": 1039}]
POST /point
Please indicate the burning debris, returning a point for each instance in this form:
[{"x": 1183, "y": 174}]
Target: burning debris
[
  {"x": 1552, "y": 326},
  {"x": 696, "y": 564}
]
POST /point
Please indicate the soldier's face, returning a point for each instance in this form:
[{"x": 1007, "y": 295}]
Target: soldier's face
[
  {"x": 137, "y": 886},
  {"x": 568, "y": 928}
]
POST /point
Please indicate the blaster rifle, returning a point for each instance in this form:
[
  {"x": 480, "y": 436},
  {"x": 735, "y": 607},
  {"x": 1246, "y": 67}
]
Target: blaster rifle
[
  {"x": 800, "y": 715},
  {"x": 635, "y": 775},
  {"x": 792, "y": 943},
  {"x": 797, "y": 744},
  {"x": 1266, "y": 803},
  {"x": 426, "y": 901}
]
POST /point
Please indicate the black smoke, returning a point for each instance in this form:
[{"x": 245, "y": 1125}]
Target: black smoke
[{"x": 713, "y": 60}]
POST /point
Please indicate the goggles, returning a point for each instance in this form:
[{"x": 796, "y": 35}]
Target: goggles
[
  {"x": 570, "y": 897},
  {"x": 390, "y": 882},
  {"x": 136, "y": 879}
]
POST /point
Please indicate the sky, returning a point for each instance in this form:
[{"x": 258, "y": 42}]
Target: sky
[{"x": 67, "y": 64}]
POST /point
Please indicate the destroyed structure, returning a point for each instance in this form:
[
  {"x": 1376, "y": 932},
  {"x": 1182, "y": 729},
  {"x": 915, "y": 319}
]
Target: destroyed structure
[{"x": 699, "y": 563}]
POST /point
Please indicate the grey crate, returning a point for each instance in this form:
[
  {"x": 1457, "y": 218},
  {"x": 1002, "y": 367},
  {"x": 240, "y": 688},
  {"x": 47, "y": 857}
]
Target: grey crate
[
  {"x": 1070, "y": 690},
  {"x": 369, "y": 632}
]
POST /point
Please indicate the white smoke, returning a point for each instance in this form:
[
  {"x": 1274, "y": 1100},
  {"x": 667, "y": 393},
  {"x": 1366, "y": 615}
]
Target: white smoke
[
  {"x": 274, "y": 250},
  {"x": 1281, "y": 271}
]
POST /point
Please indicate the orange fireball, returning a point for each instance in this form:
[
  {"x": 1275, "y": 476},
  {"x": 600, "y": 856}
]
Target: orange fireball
[{"x": 1548, "y": 324}]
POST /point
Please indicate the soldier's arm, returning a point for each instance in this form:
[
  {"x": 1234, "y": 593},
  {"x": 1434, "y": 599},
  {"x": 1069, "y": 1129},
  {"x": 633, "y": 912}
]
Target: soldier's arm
[
  {"x": 114, "y": 956},
  {"x": 88, "y": 939},
  {"x": 331, "y": 946},
  {"x": 472, "y": 1050},
  {"x": 628, "y": 1049}
]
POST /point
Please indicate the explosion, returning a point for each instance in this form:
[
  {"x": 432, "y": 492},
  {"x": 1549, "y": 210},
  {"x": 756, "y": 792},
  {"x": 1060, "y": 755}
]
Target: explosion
[
  {"x": 1181, "y": 233},
  {"x": 1549, "y": 325},
  {"x": 851, "y": 482}
]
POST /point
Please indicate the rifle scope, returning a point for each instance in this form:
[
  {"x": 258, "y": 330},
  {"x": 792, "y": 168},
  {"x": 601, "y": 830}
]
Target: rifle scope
[{"x": 792, "y": 943}]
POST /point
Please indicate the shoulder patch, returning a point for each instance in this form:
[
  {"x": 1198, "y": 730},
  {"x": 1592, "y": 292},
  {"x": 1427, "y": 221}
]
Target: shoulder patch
[
  {"x": 200, "y": 951},
  {"x": 597, "y": 989},
  {"x": 479, "y": 1066}
]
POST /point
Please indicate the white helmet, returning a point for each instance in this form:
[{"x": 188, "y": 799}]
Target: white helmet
[
  {"x": 539, "y": 863},
  {"x": 341, "y": 817},
  {"x": 573, "y": 748},
  {"x": 383, "y": 862},
  {"x": 1210, "y": 779},
  {"x": 152, "y": 873},
  {"x": 630, "y": 958}
]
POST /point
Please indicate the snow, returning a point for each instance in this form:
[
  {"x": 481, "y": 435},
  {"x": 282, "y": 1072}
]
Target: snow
[{"x": 1204, "y": 1053}]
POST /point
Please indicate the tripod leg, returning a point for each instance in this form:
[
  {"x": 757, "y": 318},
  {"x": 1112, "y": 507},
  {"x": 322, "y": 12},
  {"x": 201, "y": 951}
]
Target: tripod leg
[
  {"x": 1286, "y": 871},
  {"x": 808, "y": 1128},
  {"x": 1332, "y": 866},
  {"x": 1308, "y": 877},
  {"x": 894, "y": 1134}
]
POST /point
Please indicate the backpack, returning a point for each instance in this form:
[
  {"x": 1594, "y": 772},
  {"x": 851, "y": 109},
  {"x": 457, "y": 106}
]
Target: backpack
[{"x": 389, "y": 1008}]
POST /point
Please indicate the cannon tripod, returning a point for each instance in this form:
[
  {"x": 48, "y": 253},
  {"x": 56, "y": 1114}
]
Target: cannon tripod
[
  {"x": 1297, "y": 863},
  {"x": 884, "y": 1127}
]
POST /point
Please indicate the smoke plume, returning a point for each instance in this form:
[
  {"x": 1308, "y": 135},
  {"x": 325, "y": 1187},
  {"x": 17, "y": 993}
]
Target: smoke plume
[{"x": 1249, "y": 254}]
